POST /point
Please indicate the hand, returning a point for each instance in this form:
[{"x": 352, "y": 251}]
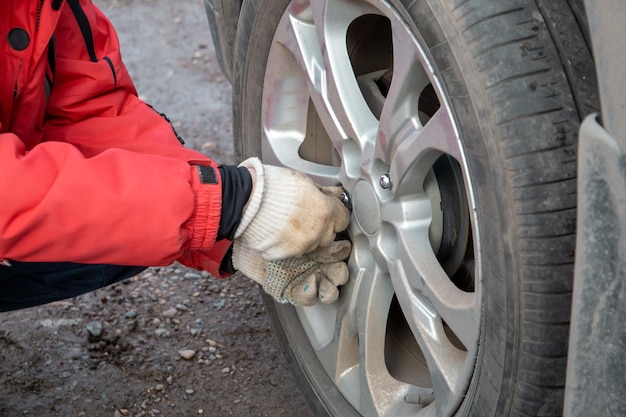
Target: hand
[
  {"x": 287, "y": 214},
  {"x": 301, "y": 280}
]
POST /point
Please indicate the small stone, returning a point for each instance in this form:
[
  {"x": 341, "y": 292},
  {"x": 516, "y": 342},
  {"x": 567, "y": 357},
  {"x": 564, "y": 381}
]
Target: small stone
[
  {"x": 116, "y": 414},
  {"x": 189, "y": 391},
  {"x": 131, "y": 314},
  {"x": 187, "y": 354},
  {"x": 82, "y": 414},
  {"x": 124, "y": 412},
  {"x": 159, "y": 387},
  {"x": 95, "y": 329},
  {"x": 213, "y": 343},
  {"x": 181, "y": 307},
  {"x": 169, "y": 313},
  {"x": 192, "y": 275},
  {"x": 226, "y": 370},
  {"x": 169, "y": 379}
]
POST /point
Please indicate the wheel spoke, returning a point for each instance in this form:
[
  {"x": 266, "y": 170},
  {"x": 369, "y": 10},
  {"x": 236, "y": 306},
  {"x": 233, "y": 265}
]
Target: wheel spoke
[
  {"x": 333, "y": 336},
  {"x": 429, "y": 299},
  {"x": 400, "y": 110},
  {"x": 423, "y": 273},
  {"x": 445, "y": 361},
  {"x": 294, "y": 79},
  {"x": 370, "y": 304},
  {"x": 337, "y": 346},
  {"x": 353, "y": 349},
  {"x": 330, "y": 77},
  {"x": 416, "y": 148}
]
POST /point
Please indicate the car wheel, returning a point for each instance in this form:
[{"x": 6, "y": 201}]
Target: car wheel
[{"x": 452, "y": 126}]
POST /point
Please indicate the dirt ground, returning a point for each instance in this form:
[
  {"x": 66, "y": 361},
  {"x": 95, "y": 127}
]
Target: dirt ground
[{"x": 171, "y": 341}]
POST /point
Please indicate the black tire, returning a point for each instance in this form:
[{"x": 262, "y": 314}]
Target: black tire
[{"x": 519, "y": 77}]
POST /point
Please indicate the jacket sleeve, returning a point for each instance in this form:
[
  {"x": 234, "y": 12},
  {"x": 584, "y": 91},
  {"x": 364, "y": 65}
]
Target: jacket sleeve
[
  {"x": 110, "y": 183},
  {"x": 117, "y": 207}
]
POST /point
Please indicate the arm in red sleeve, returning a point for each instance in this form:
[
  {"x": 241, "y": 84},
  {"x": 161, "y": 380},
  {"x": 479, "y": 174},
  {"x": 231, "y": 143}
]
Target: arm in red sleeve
[{"x": 117, "y": 207}]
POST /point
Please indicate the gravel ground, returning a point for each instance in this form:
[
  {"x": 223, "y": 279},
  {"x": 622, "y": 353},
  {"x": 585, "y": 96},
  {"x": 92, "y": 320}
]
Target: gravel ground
[{"x": 170, "y": 341}]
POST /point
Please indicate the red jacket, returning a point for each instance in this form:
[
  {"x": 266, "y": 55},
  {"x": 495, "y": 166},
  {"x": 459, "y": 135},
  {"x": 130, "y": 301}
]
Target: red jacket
[{"x": 88, "y": 172}]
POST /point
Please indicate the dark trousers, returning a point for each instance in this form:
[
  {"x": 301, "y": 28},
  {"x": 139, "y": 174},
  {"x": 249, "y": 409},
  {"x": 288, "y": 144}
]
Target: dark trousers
[{"x": 27, "y": 284}]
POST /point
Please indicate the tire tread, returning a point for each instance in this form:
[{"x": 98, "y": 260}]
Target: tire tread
[{"x": 538, "y": 169}]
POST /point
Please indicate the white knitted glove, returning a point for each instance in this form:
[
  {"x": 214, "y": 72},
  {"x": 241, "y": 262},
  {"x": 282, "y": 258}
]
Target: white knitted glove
[
  {"x": 301, "y": 280},
  {"x": 287, "y": 214}
]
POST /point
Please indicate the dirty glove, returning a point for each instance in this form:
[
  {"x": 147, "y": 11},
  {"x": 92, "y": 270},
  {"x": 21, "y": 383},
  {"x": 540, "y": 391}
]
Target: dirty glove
[
  {"x": 301, "y": 280},
  {"x": 287, "y": 214}
]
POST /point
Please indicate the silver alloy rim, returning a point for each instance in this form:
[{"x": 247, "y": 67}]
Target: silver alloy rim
[{"x": 403, "y": 337}]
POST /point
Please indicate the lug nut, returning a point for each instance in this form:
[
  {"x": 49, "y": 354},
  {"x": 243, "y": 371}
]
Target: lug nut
[
  {"x": 345, "y": 199},
  {"x": 385, "y": 182}
]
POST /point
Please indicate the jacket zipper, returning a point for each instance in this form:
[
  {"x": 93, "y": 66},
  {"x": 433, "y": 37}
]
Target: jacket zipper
[
  {"x": 39, "y": 14},
  {"x": 164, "y": 116}
]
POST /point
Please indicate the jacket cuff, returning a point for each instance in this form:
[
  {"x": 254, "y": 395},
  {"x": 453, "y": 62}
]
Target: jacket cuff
[
  {"x": 205, "y": 221},
  {"x": 212, "y": 260}
]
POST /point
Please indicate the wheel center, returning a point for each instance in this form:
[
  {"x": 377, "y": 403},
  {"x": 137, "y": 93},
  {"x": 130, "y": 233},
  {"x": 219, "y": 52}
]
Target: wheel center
[{"x": 366, "y": 208}]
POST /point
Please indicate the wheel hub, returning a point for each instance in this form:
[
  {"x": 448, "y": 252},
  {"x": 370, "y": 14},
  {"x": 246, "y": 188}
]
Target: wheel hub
[{"x": 366, "y": 207}]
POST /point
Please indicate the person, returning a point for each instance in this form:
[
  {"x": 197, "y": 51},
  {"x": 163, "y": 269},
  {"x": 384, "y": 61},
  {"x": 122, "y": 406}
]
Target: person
[{"x": 95, "y": 185}]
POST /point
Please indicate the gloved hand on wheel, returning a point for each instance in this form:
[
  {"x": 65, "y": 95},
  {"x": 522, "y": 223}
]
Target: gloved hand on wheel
[
  {"x": 300, "y": 280},
  {"x": 287, "y": 214}
]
